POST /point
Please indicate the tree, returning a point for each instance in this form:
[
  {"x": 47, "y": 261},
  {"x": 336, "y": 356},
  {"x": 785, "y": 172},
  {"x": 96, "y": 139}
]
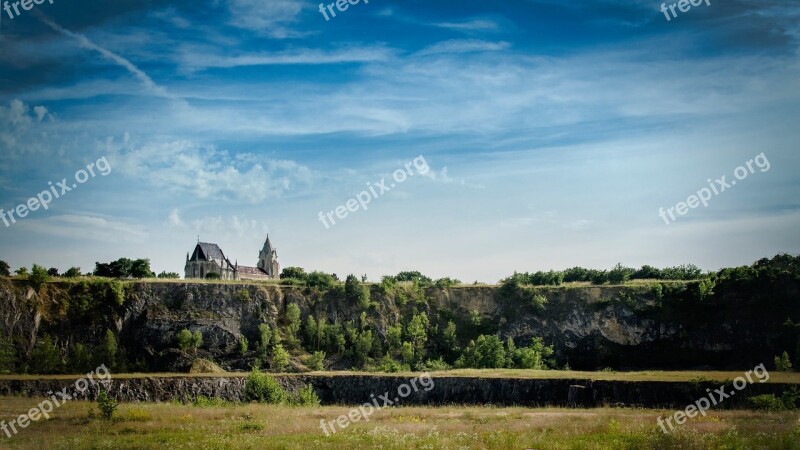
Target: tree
[
  {"x": 293, "y": 318},
  {"x": 45, "y": 357},
  {"x": 264, "y": 335},
  {"x": 243, "y": 345},
  {"x": 53, "y": 272},
  {"x": 197, "y": 340},
  {"x": 417, "y": 332},
  {"x": 394, "y": 336},
  {"x": 356, "y": 293},
  {"x": 450, "y": 338},
  {"x": 22, "y": 272},
  {"x": 140, "y": 268},
  {"x": 298, "y": 273},
  {"x": 121, "y": 268},
  {"x": 783, "y": 363},
  {"x": 311, "y": 331},
  {"x": 110, "y": 349},
  {"x": 415, "y": 277},
  {"x": 73, "y": 272},
  {"x": 487, "y": 352},
  {"x": 320, "y": 280},
  {"x": 407, "y": 352},
  {"x": 38, "y": 277},
  {"x": 280, "y": 358},
  {"x": 189, "y": 341},
  {"x": 8, "y": 356},
  {"x": 5, "y": 269},
  {"x": 619, "y": 274}
]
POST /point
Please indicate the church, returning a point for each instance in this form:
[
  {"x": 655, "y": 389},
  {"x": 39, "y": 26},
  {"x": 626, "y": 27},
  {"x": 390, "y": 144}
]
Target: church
[{"x": 208, "y": 258}]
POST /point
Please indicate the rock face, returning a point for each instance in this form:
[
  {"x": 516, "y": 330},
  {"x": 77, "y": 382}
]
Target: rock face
[
  {"x": 590, "y": 327},
  {"x": 399, "y": 391}
]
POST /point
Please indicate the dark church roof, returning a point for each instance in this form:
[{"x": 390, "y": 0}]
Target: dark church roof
[{"x": 209, "y": 251}]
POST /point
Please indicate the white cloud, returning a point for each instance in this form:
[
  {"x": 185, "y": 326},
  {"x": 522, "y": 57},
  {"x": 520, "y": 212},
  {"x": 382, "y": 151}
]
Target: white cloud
[
  {"x": 195, "y": 58},
  {"x": 270, "y": 18},
  {"x": 206, "y": 172}
]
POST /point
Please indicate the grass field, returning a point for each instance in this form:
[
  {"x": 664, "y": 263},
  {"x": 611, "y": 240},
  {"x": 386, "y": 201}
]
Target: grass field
[
  {"x": 252, "y": 426},
  {"x": 676, "y": 376}
]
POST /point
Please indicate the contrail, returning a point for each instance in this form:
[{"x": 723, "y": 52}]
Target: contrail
[{"x": 86, "y": 43}]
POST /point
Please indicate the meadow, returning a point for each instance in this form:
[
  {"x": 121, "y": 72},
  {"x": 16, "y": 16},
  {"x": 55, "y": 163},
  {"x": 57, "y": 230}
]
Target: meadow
[{"x": 212, "y": 425}]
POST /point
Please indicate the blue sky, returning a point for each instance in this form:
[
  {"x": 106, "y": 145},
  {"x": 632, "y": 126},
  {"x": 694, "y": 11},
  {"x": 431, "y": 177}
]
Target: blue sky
[{"x": 554, "y": 131}]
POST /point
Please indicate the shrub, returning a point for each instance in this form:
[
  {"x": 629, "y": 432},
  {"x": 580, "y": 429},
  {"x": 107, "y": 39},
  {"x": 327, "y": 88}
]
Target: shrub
[
  {"x": 168, "y": 275},
  {"x": 538, "y": 302},
  {"x": 485, "y": 353},
  {"x": 243, "y": 345},
  {"x": 307, "y": 396},
  {"x": 106, "y": 405},
  {"x": 767, "y": 402},
  {"x": 297, "y": 273},
  {"x": 8, "y": 356},
  {"x": 389, "y": 364},
  {"x": 433, "y": 365},
  {"x": 213, "y": 276},
  {"x": 316, "y": 361},
  {"x": 321, "y": 281},
  {"x": 783, "y": 363},
  {"x": 243, "y": 295},
  {"x": 45, "y": 357},
  {"x": 293, "y": 320},
  {"x": 188, "y": 340},
  {"x": 280, "y": 358},
  {"x": 263, "y": 388},
  {"x": 38, "y": 277},
  {"x": 356, "y": 293},
  {"x": 446, "y": 282},
  {"x": 73, "y": 272}
]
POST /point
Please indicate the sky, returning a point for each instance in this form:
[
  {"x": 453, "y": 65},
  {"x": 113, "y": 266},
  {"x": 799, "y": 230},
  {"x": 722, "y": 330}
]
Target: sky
[{"x": 531, "y": 134}]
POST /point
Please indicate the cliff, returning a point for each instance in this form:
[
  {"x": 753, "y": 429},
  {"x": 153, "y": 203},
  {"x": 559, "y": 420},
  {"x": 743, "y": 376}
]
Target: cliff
[{"x": 645, "y": 325}]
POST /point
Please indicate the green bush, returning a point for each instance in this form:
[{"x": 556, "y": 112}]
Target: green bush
[
  {"x": 783, "y": 363},
  {"x": 356, "y": 293},
  {"x": 316, "y": 361},
  {"x": 38, "y": 277},
  {"x": 45, "y": 357},
  {"x": 106, "y": 405},
  {"x": 767, "y": 402},
  {"x": 280, "y": 358},
  {"x": 263, "y": 388},
  {"x": 433, "y": 365},
  {"x": 307, "y": 396}
]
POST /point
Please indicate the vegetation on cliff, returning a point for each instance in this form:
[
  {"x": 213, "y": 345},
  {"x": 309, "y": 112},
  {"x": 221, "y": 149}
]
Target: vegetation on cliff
[{"x": 406, "y": 322}]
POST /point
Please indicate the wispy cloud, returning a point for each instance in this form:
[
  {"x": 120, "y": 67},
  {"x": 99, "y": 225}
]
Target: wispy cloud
[
  {"x": 470, "y": 25},
  {"x": 84, "y": 42}
]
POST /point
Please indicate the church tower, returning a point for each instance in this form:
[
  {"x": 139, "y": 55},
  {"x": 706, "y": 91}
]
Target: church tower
[{"x": 268, "y": 260}]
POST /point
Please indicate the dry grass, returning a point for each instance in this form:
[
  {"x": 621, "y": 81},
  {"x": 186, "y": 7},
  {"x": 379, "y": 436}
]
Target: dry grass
[{"x": 171, "y": 426}]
